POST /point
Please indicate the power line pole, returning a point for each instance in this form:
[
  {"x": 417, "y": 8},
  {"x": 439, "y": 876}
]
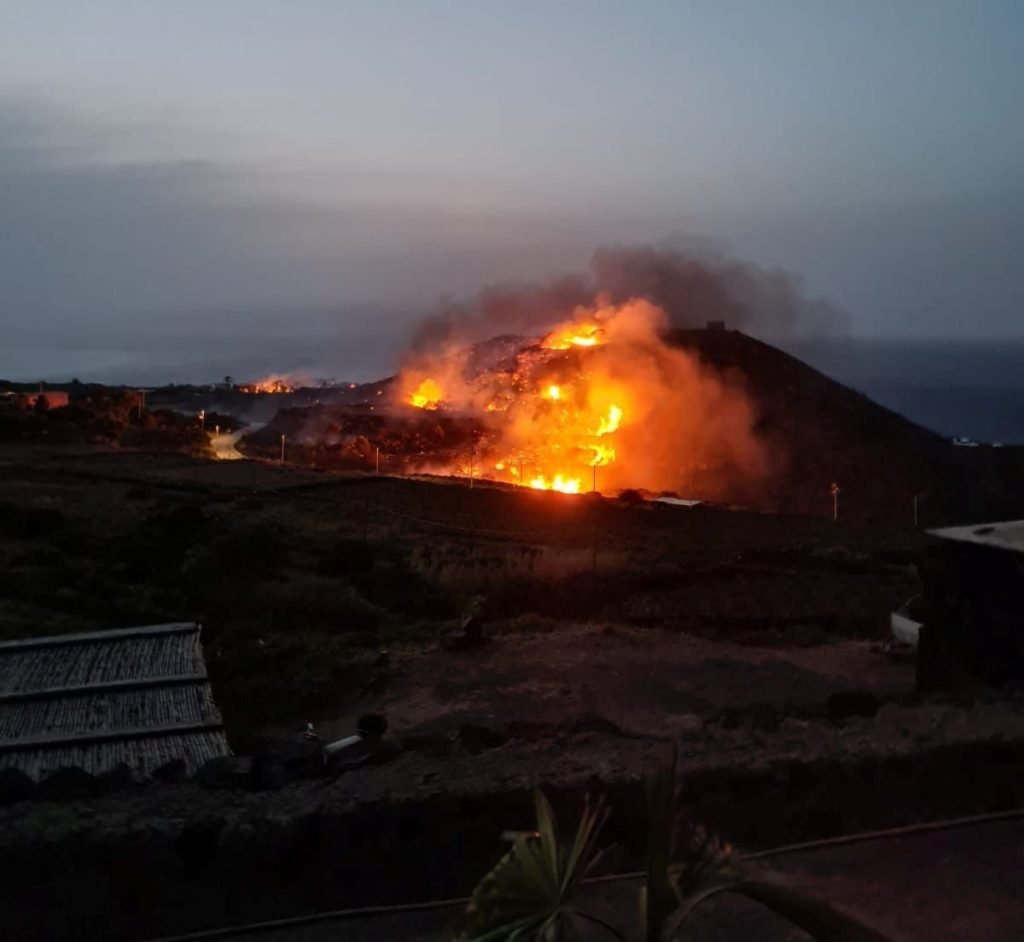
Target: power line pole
[
  {"x": 378, "y": 461},
  {"x": 282, "y": 448},
  {"x": 834, "y": 491}
]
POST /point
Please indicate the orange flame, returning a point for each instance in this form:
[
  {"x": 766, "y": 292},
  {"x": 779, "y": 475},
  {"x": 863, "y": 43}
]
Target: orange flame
[
  {"x": 427, "y": 395},
  {"x": 274, "y": 383},
  {"x": 601, "y": 400},
  {"x": 574, "y": 335},
  {"x": 557, "y": 483}
]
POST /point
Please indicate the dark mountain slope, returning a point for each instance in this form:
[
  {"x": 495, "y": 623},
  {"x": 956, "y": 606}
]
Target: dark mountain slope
[{"x": 820, "y": 432}]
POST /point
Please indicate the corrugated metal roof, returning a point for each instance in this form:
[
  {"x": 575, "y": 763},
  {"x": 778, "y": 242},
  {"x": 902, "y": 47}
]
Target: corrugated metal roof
[
  {"x": 1008, "y": 535},
  {"x": 138, "y": 697}
]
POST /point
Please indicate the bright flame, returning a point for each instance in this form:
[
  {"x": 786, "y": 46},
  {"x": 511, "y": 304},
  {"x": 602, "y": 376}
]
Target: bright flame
[
  {"x": 427, "y": 395},
  {"x": 574, "y": 335},
  {"x": 610, "y": 422},
  {"x": 275, "y": 383},
  {"x": 557, "y": 483},
  {"x": 603, "y": 390}
]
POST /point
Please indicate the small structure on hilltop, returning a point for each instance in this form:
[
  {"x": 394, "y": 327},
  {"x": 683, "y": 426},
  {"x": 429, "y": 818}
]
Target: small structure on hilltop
[
  {"x": 135, "y": 698},
  {"x": 973, "y": 606}
]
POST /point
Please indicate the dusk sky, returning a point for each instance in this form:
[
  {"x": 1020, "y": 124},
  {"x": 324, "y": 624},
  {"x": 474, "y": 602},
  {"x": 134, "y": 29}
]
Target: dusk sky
[{"x": 167, "y": 165}]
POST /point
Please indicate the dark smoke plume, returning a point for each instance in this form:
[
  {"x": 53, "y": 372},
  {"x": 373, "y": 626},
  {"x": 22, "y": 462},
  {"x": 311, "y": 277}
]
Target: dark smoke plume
[{"x": 691, "y": 288}]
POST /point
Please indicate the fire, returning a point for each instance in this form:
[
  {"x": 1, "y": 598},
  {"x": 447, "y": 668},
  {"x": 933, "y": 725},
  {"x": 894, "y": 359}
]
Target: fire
[
  {"x": 602, "y": 400},
  {"x": 274, "y": 383},
  {"x": 557, "y": 483},
  {"x": 574, "y": 335},
  {"x": 427, "y": 395},
  {"x": 610, "y": 422}
]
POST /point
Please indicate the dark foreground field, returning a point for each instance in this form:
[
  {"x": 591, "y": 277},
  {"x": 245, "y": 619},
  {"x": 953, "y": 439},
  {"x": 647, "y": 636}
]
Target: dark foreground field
[
  {"x": 755, "y": 643},
  {"x": 300, "y": 579}
]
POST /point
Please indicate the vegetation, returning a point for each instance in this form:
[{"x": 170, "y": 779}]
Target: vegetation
[
  {"x": 107, "y": 416},
  {"x": 533, "y": 893}
]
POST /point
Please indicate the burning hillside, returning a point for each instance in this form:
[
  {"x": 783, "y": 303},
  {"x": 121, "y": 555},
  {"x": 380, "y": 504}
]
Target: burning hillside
[
  {"x": 600, "y": 400},
  {"x": 275, "y": 384}
]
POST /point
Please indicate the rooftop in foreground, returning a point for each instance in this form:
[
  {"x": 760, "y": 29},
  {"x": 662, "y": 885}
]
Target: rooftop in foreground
[
  {"x": 135, "y": 697},
  {"x": 1008, "y": 535}
]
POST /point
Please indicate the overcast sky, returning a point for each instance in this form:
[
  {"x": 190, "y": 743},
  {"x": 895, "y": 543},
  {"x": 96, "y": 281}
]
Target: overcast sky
[{"x": 337, "y": 167}]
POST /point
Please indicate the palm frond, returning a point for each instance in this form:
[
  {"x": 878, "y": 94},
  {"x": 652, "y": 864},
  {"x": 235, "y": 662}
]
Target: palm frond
[
  {"x": 717, "y": 873},
  {"x": 529, "y": 896}
]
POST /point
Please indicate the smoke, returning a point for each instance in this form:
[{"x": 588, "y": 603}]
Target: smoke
[{"x": 691, "y": 287}]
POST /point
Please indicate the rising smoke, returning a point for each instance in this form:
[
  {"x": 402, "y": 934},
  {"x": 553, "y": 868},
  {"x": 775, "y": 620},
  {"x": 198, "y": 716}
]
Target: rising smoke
[
  {"x": 692, "y": 288},
  {"x": 584, "y": 382}
]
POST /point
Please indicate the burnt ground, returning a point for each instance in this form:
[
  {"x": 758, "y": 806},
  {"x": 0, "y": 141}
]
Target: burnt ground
[{"x": 755, "y": 642}]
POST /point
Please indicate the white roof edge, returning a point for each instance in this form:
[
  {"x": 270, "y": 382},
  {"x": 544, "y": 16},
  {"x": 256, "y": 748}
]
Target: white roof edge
[{"x": 1006, "y": 535}]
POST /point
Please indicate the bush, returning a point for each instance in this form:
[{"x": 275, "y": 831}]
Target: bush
[
  {"x": 240, "y": 556},
  {"x": 313, "y": 603}
]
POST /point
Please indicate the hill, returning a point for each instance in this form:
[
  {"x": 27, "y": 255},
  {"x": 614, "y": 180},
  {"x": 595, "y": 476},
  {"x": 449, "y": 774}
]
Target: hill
[{"x": 815, "y": 430}]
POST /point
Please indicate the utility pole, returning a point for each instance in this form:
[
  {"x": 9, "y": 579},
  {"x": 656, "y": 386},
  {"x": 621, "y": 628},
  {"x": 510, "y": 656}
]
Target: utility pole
[
  {"x": 282, "y": 448},
  {"x": 834, "y": 491},
  {"x": 378, "y": 461},
  {"x": 142, "y": 401}
]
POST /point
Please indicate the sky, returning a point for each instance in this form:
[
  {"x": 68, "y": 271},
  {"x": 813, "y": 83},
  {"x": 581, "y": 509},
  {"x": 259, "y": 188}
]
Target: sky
[{"x": 307, "y": 171}]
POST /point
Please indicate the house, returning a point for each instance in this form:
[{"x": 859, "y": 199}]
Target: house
[{"x": 972, "y": 606}]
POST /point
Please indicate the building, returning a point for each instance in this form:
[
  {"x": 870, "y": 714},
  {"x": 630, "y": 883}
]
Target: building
[
  {"x": 134, "y": 697},
  {"x": 973, "y": 606}
]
